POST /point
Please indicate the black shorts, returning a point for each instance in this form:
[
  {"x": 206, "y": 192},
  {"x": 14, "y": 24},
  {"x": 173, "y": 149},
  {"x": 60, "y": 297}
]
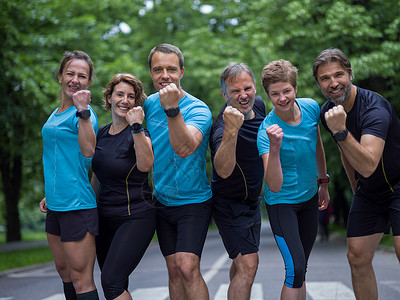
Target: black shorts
[
  {"x": 374, "y": 213},
  {"x": 72, "y": 225},
  {"x": 183, "y": 228},
  {"x": 239, "y": 225}
]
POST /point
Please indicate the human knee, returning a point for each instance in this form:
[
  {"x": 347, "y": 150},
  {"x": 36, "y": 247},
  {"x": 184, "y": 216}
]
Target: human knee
[
  {"x": 295, "y": 276},
  {"x": 188, "y": 269},
  {"x": 112, "y": 288},
  {"x": 358, "y": 258}
]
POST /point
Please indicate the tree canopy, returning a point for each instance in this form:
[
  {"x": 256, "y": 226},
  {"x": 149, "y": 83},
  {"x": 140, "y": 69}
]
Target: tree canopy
[{"x": 118, "y": 36}]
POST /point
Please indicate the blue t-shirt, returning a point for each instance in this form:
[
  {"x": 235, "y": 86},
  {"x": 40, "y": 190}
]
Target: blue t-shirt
[
  {"x": 245, "y": 182},
  {"x": 297, "y": 154},
  {"x": 67, "y": 185},
  {"x": 179, "y": 181}
]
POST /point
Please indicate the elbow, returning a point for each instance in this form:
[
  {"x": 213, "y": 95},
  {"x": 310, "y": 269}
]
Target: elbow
[
  {"x": 88, "y": 153},
  {"x": 184, "y": 152},
  {"x": 368, "y": 170},
  {"x": 223, "y": 175},
  {"x": 145, "y": 168},
  {"x": 274, "y": 189}
]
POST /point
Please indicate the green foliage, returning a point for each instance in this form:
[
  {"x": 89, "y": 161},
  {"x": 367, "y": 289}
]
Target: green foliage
[
  {"x": 23, "y": 258},
  {"x": 36, "y": 33}
]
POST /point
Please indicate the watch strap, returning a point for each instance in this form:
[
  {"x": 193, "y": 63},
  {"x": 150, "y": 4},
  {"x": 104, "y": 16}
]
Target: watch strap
[{"x": 324, "y": 180}]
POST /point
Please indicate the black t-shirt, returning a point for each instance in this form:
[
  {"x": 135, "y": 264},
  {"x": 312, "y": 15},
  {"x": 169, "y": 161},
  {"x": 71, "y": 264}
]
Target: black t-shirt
[
  {"x": 124, "y": 189},
  {"x": 245, "y": 182},
  {"x": 373, "y": 114}
]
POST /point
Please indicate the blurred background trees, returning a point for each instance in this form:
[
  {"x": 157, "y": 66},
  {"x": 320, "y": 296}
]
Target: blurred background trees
[{"x": 118, "y": 35}]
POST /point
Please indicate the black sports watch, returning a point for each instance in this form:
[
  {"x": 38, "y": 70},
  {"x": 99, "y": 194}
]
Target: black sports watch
[
  {"x": 324, "y": 180},
  {"x": 136, "y": 128},
  {"x": 83, "y": 114},
  {"x": 340, "y": 135},
  {"x": 172, "y": 112}
]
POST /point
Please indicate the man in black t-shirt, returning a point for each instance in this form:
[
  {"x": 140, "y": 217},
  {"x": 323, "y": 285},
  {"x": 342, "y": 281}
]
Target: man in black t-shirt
[
  {"x": 238, "y": 175},
  {"x": 367, "y": 131}
]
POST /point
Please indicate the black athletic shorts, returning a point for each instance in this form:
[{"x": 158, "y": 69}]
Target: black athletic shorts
[
  {"x": 374, "y": 213},
  {"x": 183, "y": 228},
  {"x": 72, "y": 225},
  {"x": 239, "y": 225}
]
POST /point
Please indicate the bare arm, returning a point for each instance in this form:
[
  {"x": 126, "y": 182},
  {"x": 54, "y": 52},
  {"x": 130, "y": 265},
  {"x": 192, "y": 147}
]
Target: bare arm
[
  {"x": 349, "y": 171},
  {"x": 142, "y": 144},
  {"x": 363, "y": 156},
  {"x": 272, "y": 163},
  {"x": 225, "y": 157},
  {"x": 86, "y": 134},
  {"x": 323, "y": 192}
]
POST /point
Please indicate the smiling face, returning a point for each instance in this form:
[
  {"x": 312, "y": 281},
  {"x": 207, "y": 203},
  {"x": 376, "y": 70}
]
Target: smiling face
[
  {"x": 75, "y": 77},
  {"x": 241, "y": 93},
  {"x": 282, "y": 95},
  {"x": 122, "y": 99},
  {"x": 334, "y": 82},
  {"x": 165, "y": 70}
]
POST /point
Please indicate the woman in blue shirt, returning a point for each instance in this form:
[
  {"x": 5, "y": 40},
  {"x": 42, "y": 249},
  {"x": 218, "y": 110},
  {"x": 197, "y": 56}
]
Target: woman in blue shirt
[
  {"x": 290, "y": 145},
  {"x": 69, "y": 139}
]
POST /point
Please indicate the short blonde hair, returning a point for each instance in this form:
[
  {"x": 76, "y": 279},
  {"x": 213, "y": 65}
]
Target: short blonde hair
[{"x": 278, "y": 71}]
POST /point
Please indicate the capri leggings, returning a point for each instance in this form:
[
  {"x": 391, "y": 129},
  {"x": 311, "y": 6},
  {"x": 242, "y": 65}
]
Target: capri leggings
[
  {"x": 295, "y": 228},
  {"x": 120, "y": 246}
]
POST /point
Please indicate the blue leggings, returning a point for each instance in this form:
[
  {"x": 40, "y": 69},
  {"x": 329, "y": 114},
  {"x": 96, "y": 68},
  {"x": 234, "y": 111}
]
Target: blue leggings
[
  {"x": 120, "y": 246},
  {"x": 295, "y": 228}
]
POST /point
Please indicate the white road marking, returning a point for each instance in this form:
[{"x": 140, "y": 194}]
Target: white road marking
[
  {"x": 256, "y": 292},
  {"x": 151, "y": 293},
  {"x": 215, "y": 267},
  {"x": 329, "y": 290},
  {"x": 55, "y": 297}
]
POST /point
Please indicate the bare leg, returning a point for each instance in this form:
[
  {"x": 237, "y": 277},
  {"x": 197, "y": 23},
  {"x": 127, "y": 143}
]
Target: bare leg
[
  {"x": 185, "y": 277},
  {"x": 80, "y": 257},
  {"x": 396, "y": 241},
  {"x": 360, "y": 254},
  {"x": 242, "y": 273},
  {"x": 293, "y": 293}
]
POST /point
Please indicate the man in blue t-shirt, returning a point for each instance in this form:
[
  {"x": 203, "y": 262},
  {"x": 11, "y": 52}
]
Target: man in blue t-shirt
[
  {"x": 238, "y": 175},
  {"x": 179, "y": 125},
  {"x": 367, "y": 132}
]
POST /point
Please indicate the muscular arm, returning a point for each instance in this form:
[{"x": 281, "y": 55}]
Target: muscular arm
[
  {"x": 349, "y": 171},
  {"x": 185, "y": 139},
  {"x": 225, "y": 157},
  {"x": 272, "y": 162},
  {"x": 86, "y": 137},
  {"x": 363, "y": 156},
  {"x": 144, "y": 152}
]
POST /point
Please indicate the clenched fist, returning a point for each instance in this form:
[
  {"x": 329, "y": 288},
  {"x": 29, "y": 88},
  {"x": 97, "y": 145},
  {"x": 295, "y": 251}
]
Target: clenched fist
[
  {"x": 233, "y": 119},
  {"x": 336, "y": 119},
  {"x": 275, "y": 135},
  {"x": 81, "y": 99},
  {"x": 135, "y": 115},
  {"x": 169, "y": 96}
]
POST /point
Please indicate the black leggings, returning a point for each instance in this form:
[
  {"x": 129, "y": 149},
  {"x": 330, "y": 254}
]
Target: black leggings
[
  {"x": 120, "y": 246},
  {"x": 295, "y": 228}
]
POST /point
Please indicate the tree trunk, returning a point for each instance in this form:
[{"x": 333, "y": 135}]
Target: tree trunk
[{"x": 11, "y": 175}]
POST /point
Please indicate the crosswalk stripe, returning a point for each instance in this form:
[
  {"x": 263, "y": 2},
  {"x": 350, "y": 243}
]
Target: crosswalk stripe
[
  {"x": 256, "y": 292},
  {"x": 329, "y": 290},
  {"x": 55, "y": 297},
  {"x": 151, "y": 293},
  {"x": 215, "y": 267}
]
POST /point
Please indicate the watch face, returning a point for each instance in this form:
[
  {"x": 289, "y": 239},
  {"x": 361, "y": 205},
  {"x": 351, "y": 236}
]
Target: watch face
[
  {"x": 340, "y": 136},
  {"x": 84, "y": 114},
  {"x": 172, "y": 112},
  {"x": 136, "y": 126}
]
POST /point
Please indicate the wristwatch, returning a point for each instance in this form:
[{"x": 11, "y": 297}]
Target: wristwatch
[
  {"x": 324, "y": 180},
  {"x": 136, "y": 128},
  {"x": 83, "y": 114},
  {"x": 172, "y": 112},
  {"x": 340, "y": 135}
]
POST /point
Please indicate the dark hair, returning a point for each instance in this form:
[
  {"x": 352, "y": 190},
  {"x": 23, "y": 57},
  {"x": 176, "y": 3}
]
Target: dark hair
[
  {"x": 167, "y": 48},
  {"x": 278, "y": 71},
  {"x": 76, "y": 54},
  {"x": 140, "y": 95},
  {"x": 232, "y": 71},
  {"x": 331, "y": 55}
]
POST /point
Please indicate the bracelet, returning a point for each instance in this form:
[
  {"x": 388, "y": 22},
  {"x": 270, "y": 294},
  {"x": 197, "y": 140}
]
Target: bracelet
[{"x": 135, "y": 131}]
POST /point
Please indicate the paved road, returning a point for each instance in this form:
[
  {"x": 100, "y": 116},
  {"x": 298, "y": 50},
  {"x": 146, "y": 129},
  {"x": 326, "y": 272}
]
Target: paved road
[{"x": 328, "y": 274}]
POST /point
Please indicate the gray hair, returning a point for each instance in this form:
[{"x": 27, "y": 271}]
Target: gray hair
[{"x": 232, "y": 71}]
